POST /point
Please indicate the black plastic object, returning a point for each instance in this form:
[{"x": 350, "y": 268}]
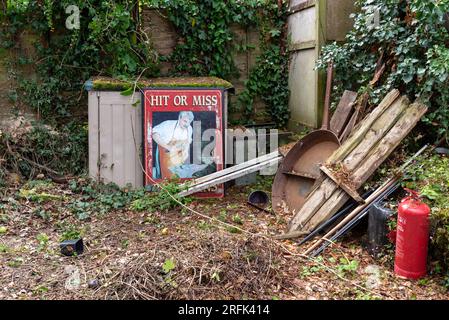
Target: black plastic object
[
  {"x": 442, "y": 151},
  {"x": 378, "y": 228},
  {"x": 70, "y": 247},
  {"x": 259, "y": 199},
  {"x": 354, "y": 222}
]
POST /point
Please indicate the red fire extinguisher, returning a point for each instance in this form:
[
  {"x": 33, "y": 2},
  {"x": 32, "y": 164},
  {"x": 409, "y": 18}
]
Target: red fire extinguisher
[{"x": 412, "y": 237}]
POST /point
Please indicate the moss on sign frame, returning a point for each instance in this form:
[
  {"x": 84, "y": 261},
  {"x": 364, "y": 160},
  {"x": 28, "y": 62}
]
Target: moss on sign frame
[{"x": 110, "y": 84}]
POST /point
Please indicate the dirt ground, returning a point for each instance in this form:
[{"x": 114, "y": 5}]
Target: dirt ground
[{"x": 180, "y": 255}]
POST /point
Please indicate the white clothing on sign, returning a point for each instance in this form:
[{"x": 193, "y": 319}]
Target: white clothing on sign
[{"x": 170, "y": 130}]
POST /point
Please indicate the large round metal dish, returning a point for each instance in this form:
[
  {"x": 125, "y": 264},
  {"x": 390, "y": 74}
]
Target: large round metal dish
[{"x": 300, "y": 169}]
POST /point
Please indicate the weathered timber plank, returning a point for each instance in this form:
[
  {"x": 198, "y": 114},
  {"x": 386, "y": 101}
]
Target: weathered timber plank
[
  {"x": 343, "y": 185},
  {"x": 394, "y": 137},
  {"x": 377, "y": 156},
  {"x": 382, "y": 125},
  {"x": 350, "y": 126},
  {"x": 328, "y": 209},
  {"x": 313, "y": 202},
  {"x": 326, "y": 187},
  {"x": 354, "y": 140},
  {"x": 343, "y": 111}
]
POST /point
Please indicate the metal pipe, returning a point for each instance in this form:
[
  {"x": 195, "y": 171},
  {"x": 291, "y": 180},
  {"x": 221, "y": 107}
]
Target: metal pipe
[
  {"x": 386, "y": 186},
  {"x": 356, "y": 220},
  {"x": 337, "y": 216}
]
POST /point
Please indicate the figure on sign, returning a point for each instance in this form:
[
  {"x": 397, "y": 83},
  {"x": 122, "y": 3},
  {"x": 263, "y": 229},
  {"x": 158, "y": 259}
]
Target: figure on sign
[
  {"x": 183, "y": 135},
  {"x": 173, "y": 139}
]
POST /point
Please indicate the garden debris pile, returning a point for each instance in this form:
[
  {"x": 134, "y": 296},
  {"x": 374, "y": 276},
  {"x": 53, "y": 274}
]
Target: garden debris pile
[
  {"x": 169, "y": 253},
  {"x": 220, "y": 266},
  {"x": 27, "y": 150}
]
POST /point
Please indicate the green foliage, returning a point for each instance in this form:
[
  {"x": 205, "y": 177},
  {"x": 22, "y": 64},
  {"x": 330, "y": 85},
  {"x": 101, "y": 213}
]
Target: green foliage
[
  {"x": 3, "y": 230},
  {"x": 63, "y": 150},
  {"x": 268, "y": 80},
  {"x": 208, "y": 47},
  {"x": 310, "y": 270},
  {"x": 168, "y": 265},
  {"x": 237, "y": 219},
  {"x": 163, "y": 200},
  {"x": 413, "y": 41},
  {"x": 107, "y": 43},
  {"x": 100, "y": 198},
  {"x": 347, "y": 266},
  {"x": 71, "y": 232},
  {"x": 431, "y": 179},
  {"x": 43, "y": 241}
]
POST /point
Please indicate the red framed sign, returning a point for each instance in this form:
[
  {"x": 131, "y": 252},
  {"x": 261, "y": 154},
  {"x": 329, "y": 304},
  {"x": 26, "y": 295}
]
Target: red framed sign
[{"x": 183, "y": 135}]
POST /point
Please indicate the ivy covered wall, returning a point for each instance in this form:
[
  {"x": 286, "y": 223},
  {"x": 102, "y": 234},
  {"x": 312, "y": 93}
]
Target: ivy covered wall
[{"x": 239, "y": 41}]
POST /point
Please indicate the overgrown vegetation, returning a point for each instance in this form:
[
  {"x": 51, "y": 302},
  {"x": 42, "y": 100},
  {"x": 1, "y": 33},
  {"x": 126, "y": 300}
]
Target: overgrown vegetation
[
  {"x": 40, "y": 148},
  {"x": 108, "y": 41},
  {"x": 431, "y": 178},
  {"x": 88, "y": 199},
  {"x": 209, "y": 45},
  {"x": 51, "y": 74},
  {"x": 412, "y": 40}
]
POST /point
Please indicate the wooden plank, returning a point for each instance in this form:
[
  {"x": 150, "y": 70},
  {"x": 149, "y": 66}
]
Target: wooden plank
[
  {"x": 377, "y": 156},
  {"x": 298, "y": 46},
  {"x": 343, "y": 112},
  {"x": 326, "y": 189},
  {"x": 94, "y": 142},
  {"x": 343, "y": 185},
  {"x": 312, "y": 204},
  {"x": 355, "y": 139},
  {"x": 383, "y": 124},
  {"x": 106, "y": 144},
  {"x": 301, "y": 175},
  {"x": 357, "y": 210},
  {"x": 319, "y": 197},
  {"x": 301, "y": 6},
  {"x": 369, "y": 200},
  {"x": 390, "y": 142},
  {"x": 350, "y": 126},
  {"x": 118, "y": 143},
  {"x": 137, "y": 146}
]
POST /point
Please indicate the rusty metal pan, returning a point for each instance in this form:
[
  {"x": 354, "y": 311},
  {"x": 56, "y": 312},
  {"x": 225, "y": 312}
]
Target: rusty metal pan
[{"x": 301, "y": 167}]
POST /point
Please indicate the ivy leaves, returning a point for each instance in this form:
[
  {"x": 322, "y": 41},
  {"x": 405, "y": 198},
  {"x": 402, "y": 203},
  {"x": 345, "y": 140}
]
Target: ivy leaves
[
  {"x": 208, "y": 47},
  {"x": 412, "y": 37},
  {"x": 106, "y": 44}
]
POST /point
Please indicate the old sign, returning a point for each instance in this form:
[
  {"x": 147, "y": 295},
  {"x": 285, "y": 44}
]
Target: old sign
[{"x": 183, "y": 135}]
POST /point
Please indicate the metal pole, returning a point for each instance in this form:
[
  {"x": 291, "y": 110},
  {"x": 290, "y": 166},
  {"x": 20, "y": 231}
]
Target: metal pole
[{"x": 355, "y": 221}]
